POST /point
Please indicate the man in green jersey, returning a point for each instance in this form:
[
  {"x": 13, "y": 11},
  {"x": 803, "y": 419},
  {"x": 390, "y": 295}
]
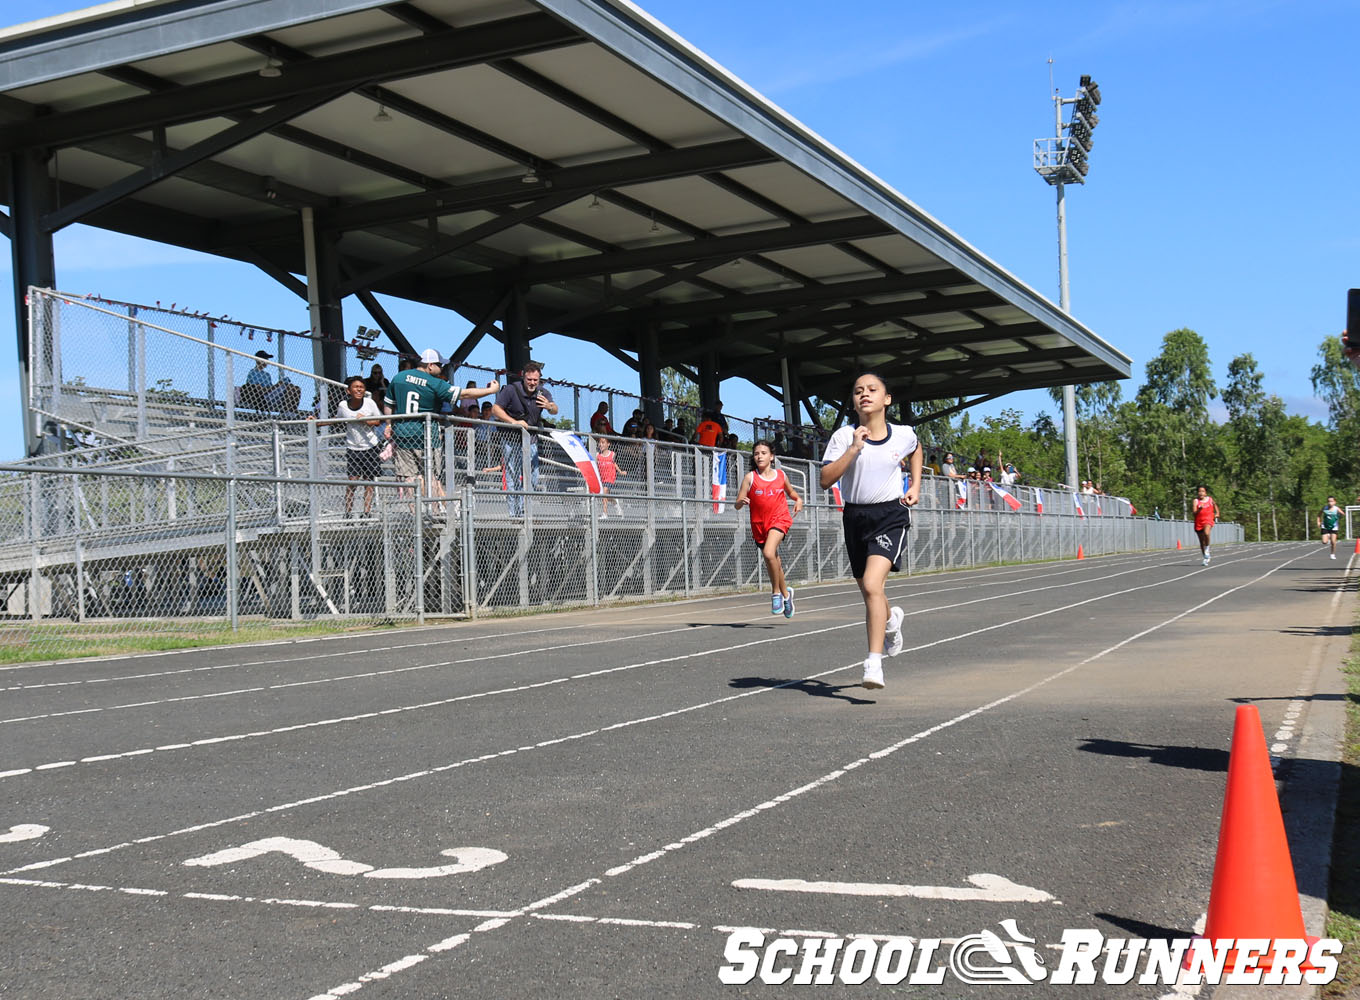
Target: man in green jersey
[
  {"x": 1330, "y": 523},
  {"x": 418, "y": 390}
]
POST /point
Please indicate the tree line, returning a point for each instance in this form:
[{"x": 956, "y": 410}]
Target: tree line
[{"x": 1158, "y": 446}]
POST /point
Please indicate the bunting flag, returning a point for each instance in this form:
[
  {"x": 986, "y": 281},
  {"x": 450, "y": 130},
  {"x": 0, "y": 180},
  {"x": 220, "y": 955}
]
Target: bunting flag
[
  {"x": 576, "y": 451},
  {"x": 1011, "y": 502},
  {"x": 1076, "y": 502},
  {"x": 719, "y": 481},
  {"x": 836, "y": 495},
  {"x": 961, "y": 500},
  {"x": 1133, "y": 511},
  {"x": 1099, "y": 512},
  {"x": 1038, "y": 500}
]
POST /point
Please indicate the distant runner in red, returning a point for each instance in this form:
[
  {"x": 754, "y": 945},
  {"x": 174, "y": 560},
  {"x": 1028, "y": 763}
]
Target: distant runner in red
[
  {"x": 766, "y": 490},
  {"x": 1206, "y": 513}
]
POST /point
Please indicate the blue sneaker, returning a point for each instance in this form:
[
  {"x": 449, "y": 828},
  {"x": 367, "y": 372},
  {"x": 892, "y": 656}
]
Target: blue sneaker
[
  {"x": 776, "y": 604},
  {"x": 788, "y": 604}
]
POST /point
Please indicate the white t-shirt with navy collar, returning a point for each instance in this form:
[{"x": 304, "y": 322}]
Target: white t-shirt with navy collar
[{"x": 876, "y": 475}]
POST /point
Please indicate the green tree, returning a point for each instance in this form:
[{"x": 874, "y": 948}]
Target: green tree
[
  {"x": 1167, "y": 433},
  {"x": 683, "y": 394},
  {"x": 1337, "y": 382},
  {"x": 1256, "y": 433}
]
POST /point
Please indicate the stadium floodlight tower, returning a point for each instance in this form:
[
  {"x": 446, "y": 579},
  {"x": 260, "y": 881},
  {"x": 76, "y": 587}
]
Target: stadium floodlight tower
[{"x": 1063, "y": 160}]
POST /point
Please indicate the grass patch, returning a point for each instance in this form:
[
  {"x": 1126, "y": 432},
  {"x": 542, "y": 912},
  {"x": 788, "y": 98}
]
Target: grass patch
[
  {"x": 1343, "y": 897},
  {"x": 27, "y": 643}
]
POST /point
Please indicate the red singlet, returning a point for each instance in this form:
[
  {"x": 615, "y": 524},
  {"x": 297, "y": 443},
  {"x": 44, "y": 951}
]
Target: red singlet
[
  {"x": 1205, "y": 513},
  {"x": 769, "y": 505}
]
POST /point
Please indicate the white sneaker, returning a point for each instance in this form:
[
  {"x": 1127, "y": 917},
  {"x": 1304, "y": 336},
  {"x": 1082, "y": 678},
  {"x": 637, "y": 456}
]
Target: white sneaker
[
  {"x": 873, "y": 675},
  {"x": 1333, "y": 555},
  {"x": 892, "y": 640},
  {"x": 1204, "y": 561}
]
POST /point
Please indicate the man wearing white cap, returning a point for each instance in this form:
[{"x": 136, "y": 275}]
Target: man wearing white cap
[{"x": 417, "y": 390}]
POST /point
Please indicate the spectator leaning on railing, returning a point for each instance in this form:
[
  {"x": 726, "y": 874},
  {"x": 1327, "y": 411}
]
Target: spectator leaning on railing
[{"x": 522, "y": 402}]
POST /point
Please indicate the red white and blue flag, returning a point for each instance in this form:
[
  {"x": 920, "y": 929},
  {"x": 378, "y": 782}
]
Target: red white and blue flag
[
  {"x": 836, "y": 495},
  {"x": 1076, "y": 502},
  {"x": 576, "y": 451},
  {"x": 719, "y": 481},
  {"x": 961, "y": 500},
  {"x": 1038, "y": 501},
  {"x": 1011, "y": 502}
]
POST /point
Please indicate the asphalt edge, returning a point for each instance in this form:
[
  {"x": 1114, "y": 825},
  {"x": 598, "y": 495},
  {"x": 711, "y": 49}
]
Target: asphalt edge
[{"x": 1311, "y": 782}]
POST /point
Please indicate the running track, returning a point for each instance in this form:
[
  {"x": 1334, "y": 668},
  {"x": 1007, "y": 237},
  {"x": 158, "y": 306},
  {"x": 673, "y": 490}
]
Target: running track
[{"x": 618, "y": 789}]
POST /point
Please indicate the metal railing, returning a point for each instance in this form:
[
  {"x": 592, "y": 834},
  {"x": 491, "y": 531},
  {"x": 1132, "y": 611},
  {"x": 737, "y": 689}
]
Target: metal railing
[{"x": 129, "y": 551}]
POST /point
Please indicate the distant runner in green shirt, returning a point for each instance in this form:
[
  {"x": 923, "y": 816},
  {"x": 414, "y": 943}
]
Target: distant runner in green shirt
[{"x": 1330, "y": 523}]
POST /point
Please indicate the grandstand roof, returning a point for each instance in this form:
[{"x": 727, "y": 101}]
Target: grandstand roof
[{"x": 574, "y": 152}]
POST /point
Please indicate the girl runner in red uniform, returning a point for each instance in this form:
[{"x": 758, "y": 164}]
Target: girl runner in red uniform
[
  {"x": 767, "y": 491},
  {"x": 1206, "y": 513}
]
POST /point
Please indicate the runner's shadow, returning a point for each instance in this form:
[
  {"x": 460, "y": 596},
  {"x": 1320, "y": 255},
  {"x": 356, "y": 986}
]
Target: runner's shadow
[
  {"x": 1138, "y": 928},
  {"x": 1196, "y": 758},
  {"x": 808, "y": 685},
  {"x": 1319, "y": 631},
  {"x": 726, "y": 625}
]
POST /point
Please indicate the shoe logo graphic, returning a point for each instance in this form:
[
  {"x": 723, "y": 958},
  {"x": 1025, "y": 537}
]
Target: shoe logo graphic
[{"x": 984, "y": 958}]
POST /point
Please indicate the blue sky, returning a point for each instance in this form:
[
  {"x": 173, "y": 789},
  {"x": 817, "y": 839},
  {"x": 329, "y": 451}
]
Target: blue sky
[{"x": 1222, "y": 194}]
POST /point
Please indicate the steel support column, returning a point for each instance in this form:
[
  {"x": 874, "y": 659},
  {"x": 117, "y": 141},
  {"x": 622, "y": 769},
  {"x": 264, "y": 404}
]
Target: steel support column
[
  {"x": 33, "y": 263},
  {"x": 517, "y": 333},
  {"x": 709, "y": 381},
  {"x": 323, "y": 299},
  {"x": 649, "y": 375}
]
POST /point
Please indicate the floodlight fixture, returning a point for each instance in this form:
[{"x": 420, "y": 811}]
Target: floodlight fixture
[
  {"x": 1060, "y": 160},
  {"x": 273, "y": 66},
  {"x": 382, "y": 115}
]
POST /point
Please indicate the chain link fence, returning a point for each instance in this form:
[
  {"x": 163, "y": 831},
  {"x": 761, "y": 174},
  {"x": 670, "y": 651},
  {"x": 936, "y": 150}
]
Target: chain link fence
[{"x": 102, "y": 553}]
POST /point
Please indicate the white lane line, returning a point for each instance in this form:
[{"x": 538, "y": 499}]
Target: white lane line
[
  {"x": 1295, "y": 708},
  {"x": 904, "y": 587},
  {"x": 365, "y": 675},
  {"x": 357, "y": 653},
  {"x": 256, "y": 734},
  {"x": 222, "y": 897},
  {"x": 985, "y": 888},
  {"x": 826, "y": 779},
  {"x": 357, "y": 789}
]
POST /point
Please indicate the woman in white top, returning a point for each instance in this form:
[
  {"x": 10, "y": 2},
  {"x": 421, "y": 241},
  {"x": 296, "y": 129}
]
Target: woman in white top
[{"x": 867, "y": 461}]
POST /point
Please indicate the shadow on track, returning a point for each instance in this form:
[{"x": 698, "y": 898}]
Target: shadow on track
[
  {"x": 1196, "y": 758},
  {"x": 808, "y": 686}
]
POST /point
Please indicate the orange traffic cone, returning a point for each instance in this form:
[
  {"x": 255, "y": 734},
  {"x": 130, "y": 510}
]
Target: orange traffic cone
[
  {"x": 1080, "y": 555},
  {"x": 1254, "y": 894},
  {"x": 1178, "y": 544},
  {"x": 1357, "y": 546}
]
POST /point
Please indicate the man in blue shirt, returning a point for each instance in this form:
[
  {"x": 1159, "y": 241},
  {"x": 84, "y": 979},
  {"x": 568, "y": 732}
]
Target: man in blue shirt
[{"x": 522, "y": 403}]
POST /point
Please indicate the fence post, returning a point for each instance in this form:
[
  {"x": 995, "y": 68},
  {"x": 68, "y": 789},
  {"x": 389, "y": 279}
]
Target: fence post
[
  {"x": 141, "y": 382},
  {"x": 420, "y": 551},
  {"x": 233, "y": 580},
  {"x": 469, "y": 554},
  {"x": 593, "y": 564},
  {"x": 684, "y": 542}
]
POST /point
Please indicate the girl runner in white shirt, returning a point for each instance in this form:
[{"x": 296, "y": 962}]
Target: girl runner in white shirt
[{"x": 867, "y": 461}]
